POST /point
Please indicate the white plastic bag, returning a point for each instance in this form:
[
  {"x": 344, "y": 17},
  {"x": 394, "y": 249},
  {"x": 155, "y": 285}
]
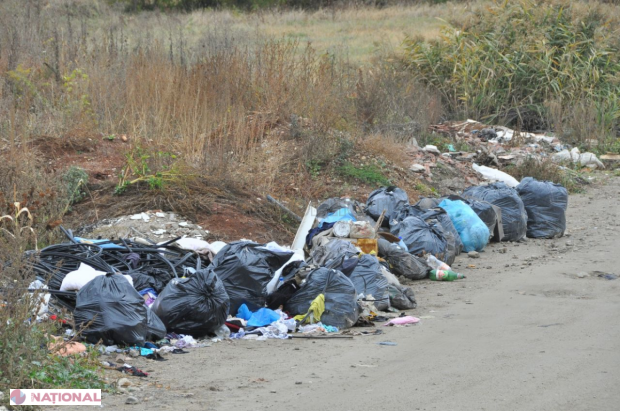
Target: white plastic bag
[
  {"x": 75, "y": 280},
  {"x": 496, "y": 175}
]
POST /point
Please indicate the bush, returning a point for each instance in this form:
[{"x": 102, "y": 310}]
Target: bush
[
  {"x": 75, "y": 178},
  {"x": 515, "y": 58}
]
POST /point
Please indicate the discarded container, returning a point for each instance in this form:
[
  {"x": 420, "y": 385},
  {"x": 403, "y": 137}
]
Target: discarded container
[
  {"x": 445, "y": 275},
  {"x": 368, "y": 245},
  {"x": 342, "y": 229},
  {"x": 436, "y": 264},
  {"x": 545, "y": 203}
]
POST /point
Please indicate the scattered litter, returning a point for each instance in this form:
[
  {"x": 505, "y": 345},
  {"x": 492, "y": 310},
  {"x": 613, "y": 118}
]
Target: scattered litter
[{"x": 403, "y": 321}]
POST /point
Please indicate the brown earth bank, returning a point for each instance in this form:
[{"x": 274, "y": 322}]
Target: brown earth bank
[{"x": 532, "y": 327}]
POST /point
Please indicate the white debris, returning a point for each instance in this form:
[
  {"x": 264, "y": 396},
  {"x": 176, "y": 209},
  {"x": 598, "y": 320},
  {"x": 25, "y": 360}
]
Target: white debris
[{"x": 496, "y": 175}]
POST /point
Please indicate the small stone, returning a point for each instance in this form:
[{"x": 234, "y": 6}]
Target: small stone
[
  {"x": 473, "y": 254},
  {"x": 123, "y": 382},
  {"x": 417, "y": 168},
  {"x": 297, "y": 382},
  {"x": 273, "y": 392},
  {"x": 131, "y": 400},
  {"x": 439, "y": 294},
  {"x": 134, "y": 353},
  {"x": 582, "y": 275},
  {"x": 134, "y": 389},
  {"x": 502, "y": 250}
]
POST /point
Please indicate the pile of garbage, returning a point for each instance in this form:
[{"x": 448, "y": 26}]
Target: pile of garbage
[
  {"x": 344, "y": 268},
  {"x": 488, "y": 149}
]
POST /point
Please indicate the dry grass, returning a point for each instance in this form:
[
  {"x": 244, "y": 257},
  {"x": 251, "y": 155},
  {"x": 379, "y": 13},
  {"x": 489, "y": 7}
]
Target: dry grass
[{"x": 209, "y": 88}]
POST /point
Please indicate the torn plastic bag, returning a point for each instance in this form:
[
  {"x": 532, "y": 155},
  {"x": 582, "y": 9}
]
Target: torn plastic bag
[
  {"x": 389, "y": 199},
  {"x": 246, "y": 268},
  {"x": 333, "y": 249},
  {"x": 196, "y": 305},
  {"x": 545, "y": 203},
  {"x": 402, "y": 262},
  {"x": 369, "y": 280},
  {"x": 341, "y": 309},
  {"x": 422, "y": 238},
  {"x": 114, "y": 309},
  {"x": 401, "y": 297},
  {"x": 514, "y": 217},
  {"x": 156, "y": 328},
  {"x": 473, "y": 231}
]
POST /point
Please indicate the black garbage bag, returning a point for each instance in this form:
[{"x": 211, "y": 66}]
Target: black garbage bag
[
  {"x": 426, "y": 202},
  {"x": 334, "y": 249},
  {"x": 117, "y": 311},
  {"x": 156, "y": 328},
  {"x": 345, "y": 264},
  {"x": 406, "y": 211},
  {"x": 385, "y": 198},
  {"x": 341, "y": 308},
  {"x": 195, "y": 305},
  {"x": 246, "y": 268},
  {"x": 455, "y": 245},
  {"x": 453, "y": 238},
  {"x": 401, "y": 297},
  {"x": 282, "y": 294},
  {"x": 545, "y": 203},
  {"x": 149, "y": 277},
  {"x": 514, "y": 217},
  {"x": 401, "y": 262},
  {"x": 422, "y": 238},
  {"x": 368, "y": 279}
]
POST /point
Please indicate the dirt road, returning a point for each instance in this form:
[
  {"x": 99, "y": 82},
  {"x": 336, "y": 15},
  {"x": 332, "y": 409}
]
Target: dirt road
[{"x": 522, "y": 332}]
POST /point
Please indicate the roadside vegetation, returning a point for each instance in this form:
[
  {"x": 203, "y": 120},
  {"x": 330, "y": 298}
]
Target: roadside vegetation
[{"x": 246, "y": 98}]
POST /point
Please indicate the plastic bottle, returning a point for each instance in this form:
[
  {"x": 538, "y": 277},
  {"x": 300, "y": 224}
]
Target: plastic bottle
[
  {"x": 445, "y": 275},
  {"x": 436, "y": 264},
  {"x": 402, "y": 244}
]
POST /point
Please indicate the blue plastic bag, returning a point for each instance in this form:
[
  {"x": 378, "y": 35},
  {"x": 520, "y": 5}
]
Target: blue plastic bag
[
  {"x": 244, "y": 312},
  {"x": 344, "y": 214},
  {"x": 263, "y": 317},
  {"x": 473, "y": 231}
]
